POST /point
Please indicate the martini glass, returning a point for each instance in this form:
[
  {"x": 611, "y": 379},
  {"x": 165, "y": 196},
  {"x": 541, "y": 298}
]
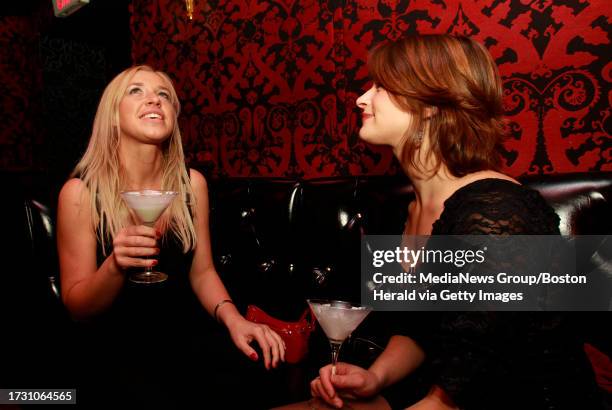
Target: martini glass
[
  {"x": 148, "y": 205},
  {"x": 338, "y": 319}
]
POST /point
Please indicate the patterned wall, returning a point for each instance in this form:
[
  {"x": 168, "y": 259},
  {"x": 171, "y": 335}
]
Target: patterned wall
[
  {"x": 268, "y": 87},
  {"x": 20, "y": 93}
]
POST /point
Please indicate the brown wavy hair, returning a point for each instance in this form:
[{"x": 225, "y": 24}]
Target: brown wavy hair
[{"x": 452, "y": 86}]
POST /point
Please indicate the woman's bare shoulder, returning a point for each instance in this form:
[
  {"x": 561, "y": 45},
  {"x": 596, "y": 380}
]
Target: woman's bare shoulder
[
  {"x": 74, "y": 191},
  {"x": 497, "y": 175},
  {"x": 198, "y": 181}
]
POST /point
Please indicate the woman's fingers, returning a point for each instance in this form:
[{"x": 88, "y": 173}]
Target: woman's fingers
[
  {"x": 278, "y": 345},
  {"x": 258, "y": 334},
  {"x": 135, "y": 257},
  {"x": 244, "y": 346},
  {"x": 140, "y": 241},
  {"x": 141, "y": 230},
  {"x": 325, "y": 378},
  {"x": 126, "y": 262},
  {"x": 272, "y": 345},
  {"x": 136, "y": 252},
  {"x": 317, "y": 390},
  {"x": 134, "y": 241},
  {"x": 135, "y": 245}
]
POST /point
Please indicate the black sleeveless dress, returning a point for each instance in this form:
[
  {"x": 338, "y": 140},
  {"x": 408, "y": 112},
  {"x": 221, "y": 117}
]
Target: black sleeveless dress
[
  {"x": 137, "y": 352},
  {"x": 152, "y": 308},
  {"x": 157, "y": 347}
]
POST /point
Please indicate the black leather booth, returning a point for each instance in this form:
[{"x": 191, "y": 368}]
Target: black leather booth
[
  {"x": 278, "y": 241},
  {"x": 275, "y": 243}
]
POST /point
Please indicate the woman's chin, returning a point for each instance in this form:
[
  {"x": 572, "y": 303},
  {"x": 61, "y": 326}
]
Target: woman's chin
[{"x": 369, "y": 138}]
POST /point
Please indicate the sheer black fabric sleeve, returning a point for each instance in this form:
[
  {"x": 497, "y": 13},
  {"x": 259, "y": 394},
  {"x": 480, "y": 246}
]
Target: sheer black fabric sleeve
[
  {"x": 468, "y": 357},
  {"x": 496, "y": 207}
]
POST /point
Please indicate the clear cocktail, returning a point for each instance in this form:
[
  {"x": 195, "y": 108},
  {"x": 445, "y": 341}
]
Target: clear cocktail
[
  {"x": 148, "y": 205},
  {"x": 338, "y": 319}
]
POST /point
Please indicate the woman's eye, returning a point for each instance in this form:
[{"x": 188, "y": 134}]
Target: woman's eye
[
  {"x": 135, "y": 90},
  {"x": 164, "y": 94}
]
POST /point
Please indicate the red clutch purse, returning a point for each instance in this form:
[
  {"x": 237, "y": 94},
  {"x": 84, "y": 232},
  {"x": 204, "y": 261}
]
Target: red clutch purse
[{"x": 294, "y": 334}]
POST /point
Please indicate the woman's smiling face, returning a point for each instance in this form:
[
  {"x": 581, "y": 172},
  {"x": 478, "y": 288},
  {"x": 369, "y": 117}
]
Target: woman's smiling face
[
  {"x": 146, "y": 112},
  {"x": 383, "y": 121}
]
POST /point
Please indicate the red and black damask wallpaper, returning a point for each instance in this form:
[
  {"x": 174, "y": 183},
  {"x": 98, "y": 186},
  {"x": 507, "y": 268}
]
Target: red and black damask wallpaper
[{"x": 269, "y": 87}]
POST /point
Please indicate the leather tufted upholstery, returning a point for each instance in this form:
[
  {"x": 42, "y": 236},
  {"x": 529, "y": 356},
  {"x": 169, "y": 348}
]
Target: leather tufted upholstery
[
  {"x": 279, "y": 241},
  {"x": 39, "y": 224},
  {"x": 275, "y": 239},
  {"x": 582, "y": 201}
]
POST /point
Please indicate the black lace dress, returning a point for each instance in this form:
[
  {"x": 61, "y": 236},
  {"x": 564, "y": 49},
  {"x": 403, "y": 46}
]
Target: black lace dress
[{"x": 503, "y": 360}]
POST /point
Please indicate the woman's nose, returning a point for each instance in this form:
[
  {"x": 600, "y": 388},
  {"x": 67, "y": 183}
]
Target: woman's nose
[
  {"x": 153, "y": 98},
  {"x": 363, "y": 99}
]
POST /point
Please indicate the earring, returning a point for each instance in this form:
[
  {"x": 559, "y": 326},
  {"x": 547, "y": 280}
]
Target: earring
[{"x": 419, "y": 136}]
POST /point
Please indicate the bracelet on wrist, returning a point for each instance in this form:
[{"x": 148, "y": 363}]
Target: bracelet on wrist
[{"x": 218, "y": 305}]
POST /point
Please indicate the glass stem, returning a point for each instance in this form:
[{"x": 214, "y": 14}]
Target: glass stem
[
  {"x": 149, "y": 268},
  {"x": 335, "y": 350}
]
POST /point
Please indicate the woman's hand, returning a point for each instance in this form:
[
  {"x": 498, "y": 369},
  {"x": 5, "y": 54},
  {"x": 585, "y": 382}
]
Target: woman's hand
[
  {"x": 243, "y": 332},
  {"x": 350, "y": 382},
  {"x": 133, "y": 245}
]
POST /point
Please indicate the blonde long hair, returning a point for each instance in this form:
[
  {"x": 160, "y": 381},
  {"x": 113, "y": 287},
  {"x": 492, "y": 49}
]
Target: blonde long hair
[{"x": 101, "y": 171}]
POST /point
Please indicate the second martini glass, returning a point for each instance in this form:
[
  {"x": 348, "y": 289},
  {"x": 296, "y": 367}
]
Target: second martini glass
[
  {"x": 338, "y": 319},
  {"x": 148, "y": 205}
]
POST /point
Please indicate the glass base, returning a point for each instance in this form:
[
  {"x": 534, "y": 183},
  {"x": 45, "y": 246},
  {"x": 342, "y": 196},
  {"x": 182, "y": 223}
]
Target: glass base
[{"x": 148, "y": 277}]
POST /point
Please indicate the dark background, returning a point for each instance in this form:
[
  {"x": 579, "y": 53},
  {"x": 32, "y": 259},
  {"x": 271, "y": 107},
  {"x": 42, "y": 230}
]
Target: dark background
[{"x": 52, "y": 73}]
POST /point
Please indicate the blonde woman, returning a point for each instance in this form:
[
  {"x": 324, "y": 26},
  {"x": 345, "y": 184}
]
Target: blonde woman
[{"x": 136, "y": 144}]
